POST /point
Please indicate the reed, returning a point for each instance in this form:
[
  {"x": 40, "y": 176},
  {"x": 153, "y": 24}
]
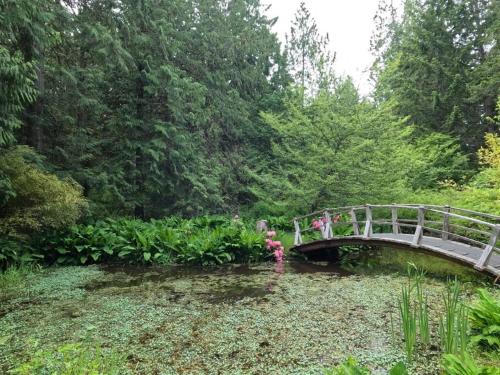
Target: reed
[
  {"x": 418, "y": 275},
  {"x": 408, "y": 322},
  {"x": 453, "y": 327}
]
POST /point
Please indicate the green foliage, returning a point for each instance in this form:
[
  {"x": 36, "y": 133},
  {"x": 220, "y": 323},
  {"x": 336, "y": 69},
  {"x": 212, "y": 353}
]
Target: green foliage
[
  {"x": 202, "y": 240},
  {"x": 350, "y": 367},
  {"x": 15, "y": 277},
  {"x": 72, "y": 359},
  {"x": 414, "y": 314},
  {"x": 408, "y": 322},
  {"x": 484, "y": 317},
  {"x": 164, "y": 107},
  {"x": 14, "y": 251},
  {"x": 429, "y": 58},
  {"x": 453, "y": 326},
  {"x": 39, "y": 201},
  {"x": 465, "y": 365}
]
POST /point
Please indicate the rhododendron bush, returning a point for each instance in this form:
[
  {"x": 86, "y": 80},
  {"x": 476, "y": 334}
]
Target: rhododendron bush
[{"x": 275, "y": 246}]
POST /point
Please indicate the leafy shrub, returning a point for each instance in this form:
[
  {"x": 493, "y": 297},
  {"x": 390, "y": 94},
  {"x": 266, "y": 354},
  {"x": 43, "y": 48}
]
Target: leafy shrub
[
  {"x": 14, "y": 277},
  {"x": 202, "y": 240},
  {"x": 14, "y": 251},
  {"x": 33, "y": 200},
  {"x": 72, "y": 359},
  {"x": 485, "y": 321},
  {"x": 280, "y": 223},
  {"x": 351, "y": 367},
  {"x": 465, "y": 365}
]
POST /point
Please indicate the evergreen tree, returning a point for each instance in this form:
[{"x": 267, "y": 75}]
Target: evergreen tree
[{"x": 308, "y": 57}]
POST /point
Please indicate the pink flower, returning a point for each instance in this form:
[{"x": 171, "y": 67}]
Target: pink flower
[
  {"x": 271, "y": 233},
  {"x": 269, "y": 243},
  {"x": 276, "y": 243},
  {"x": 316, "y": 224},
  {"x": 278, "y": 255}
]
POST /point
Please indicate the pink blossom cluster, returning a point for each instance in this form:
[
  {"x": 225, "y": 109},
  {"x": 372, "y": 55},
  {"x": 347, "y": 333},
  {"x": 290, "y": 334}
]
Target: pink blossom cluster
[
  {"x": 275, "y": 246},
  {"x": 317, "y": 224}
]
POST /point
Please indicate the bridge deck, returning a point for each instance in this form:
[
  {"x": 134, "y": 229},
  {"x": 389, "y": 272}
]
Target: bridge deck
[{"x": 451, "y": 249}]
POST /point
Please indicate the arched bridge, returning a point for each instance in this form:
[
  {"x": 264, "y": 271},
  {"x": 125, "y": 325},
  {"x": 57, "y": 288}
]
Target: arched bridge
[{"x": 464, "y": 235}]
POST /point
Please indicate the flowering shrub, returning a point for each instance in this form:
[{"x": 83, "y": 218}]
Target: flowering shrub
[{"x": 275, "y": 246}]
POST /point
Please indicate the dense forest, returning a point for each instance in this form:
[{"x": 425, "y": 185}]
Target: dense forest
[{"x": 170, "y": 107}]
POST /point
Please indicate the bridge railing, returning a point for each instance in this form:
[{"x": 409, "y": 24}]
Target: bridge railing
[{"x": 447, "y": 223}]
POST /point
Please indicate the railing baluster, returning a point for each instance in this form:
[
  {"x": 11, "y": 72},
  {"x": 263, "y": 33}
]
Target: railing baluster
[
  {"x": 327, "y": 227},
  {"x": 446, "y": 223},
  {"x": 417, "y": 238},
  {"x": 488, "y": 250},
  {"x": 298, "y": 237},
  {"x": 368, "y": 225},
  {"x": 395, "y": 223},
  {"x": 354, "y": 220}
]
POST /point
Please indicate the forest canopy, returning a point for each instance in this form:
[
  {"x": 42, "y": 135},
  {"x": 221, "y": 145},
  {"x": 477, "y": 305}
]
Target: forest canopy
[{"x": 173, "y": 107}]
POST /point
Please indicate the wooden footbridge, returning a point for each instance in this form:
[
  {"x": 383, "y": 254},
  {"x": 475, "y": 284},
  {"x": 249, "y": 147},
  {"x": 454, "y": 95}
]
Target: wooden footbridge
[{"x": 467, "y": 236}]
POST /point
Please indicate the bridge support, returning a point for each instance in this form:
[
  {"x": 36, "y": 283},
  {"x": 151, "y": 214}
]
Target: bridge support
[
  {"x": 419, "y": 231},
  {"x": 298, "y": 238},
  {"x": 326, "y": 229},
  {"x": 488, "y": 250},
  {"x": 368, "y": 224},
  {"x": 354, "y": 220},
  {"x": 394, "y": 215},
  {"x": 446, "y": 223}
]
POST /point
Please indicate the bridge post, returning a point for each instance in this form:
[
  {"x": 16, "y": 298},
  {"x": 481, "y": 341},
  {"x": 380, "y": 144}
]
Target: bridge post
[
  {"x": 419, "y": 231},
  {"x": 368, "y": 225},
  {"x": 488, "y": 250},
  {"x": 327, "y": 228},
  {"x": 354, "y": 220},
  {"x": 298, "y": 237},
  {"x": 395, "y": 223},
  {"x": 446, "y": 223}
]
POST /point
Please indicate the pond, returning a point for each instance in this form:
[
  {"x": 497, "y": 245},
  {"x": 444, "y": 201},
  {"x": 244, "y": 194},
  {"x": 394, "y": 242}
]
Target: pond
[{"x": 298, "y": 317}]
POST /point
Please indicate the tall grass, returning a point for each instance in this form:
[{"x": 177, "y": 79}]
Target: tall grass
[
  {"x": 15, "y": 277},
  {"x": 453, "y": 327},
  {"x": 422, "y": 307},
  {"x": 414, "y": 314},
  {"x": 408, "y": 322}
]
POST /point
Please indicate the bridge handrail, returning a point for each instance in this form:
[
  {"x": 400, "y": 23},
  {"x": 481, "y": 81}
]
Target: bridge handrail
[{"x": 446, "y": 231}]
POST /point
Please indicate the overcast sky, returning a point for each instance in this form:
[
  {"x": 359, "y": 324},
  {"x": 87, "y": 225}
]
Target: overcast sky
[{"x": 349, "y": 24}]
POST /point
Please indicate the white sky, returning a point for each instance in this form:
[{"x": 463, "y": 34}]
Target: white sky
[{"x": 349, "y": 24}]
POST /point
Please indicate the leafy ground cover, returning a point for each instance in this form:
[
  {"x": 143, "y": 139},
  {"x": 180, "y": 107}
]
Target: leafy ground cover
[{"x": 293, "y": 318}]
